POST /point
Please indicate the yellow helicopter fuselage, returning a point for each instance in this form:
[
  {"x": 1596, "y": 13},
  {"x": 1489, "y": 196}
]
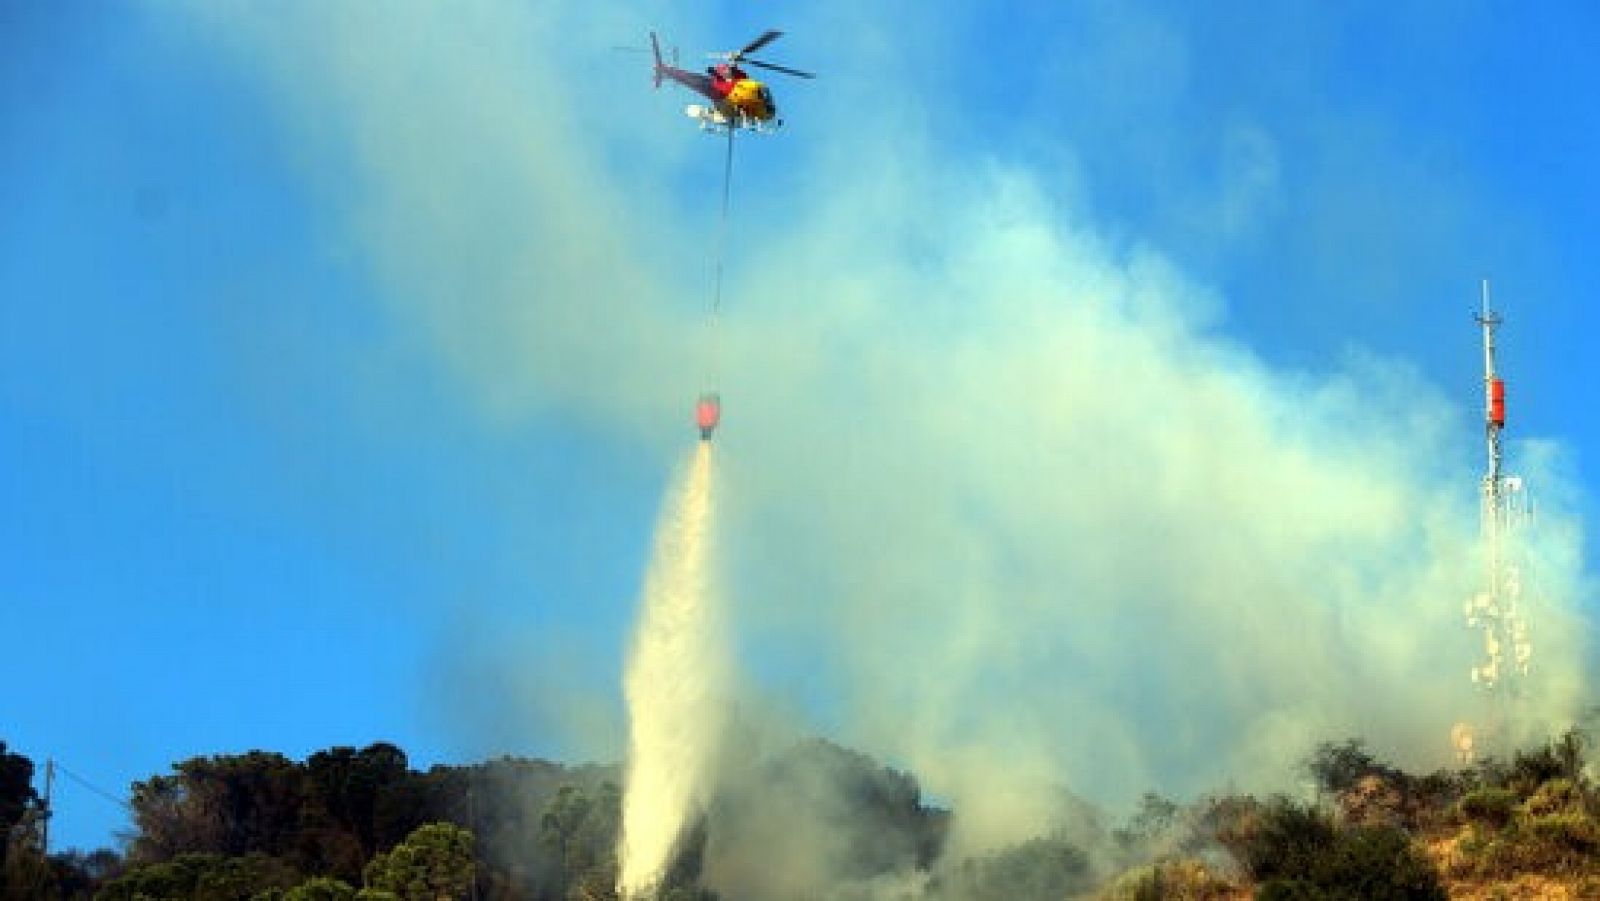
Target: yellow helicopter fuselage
[{"x": 751, "y": 98}]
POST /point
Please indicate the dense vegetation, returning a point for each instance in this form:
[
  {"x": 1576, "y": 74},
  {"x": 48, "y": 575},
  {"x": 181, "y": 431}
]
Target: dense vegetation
[{"x": 351, "y": 823}]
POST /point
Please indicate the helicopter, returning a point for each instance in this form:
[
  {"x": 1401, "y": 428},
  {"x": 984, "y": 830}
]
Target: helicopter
[{"x": 737, "y": 100}]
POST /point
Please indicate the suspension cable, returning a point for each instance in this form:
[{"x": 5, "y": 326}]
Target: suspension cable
[
  {"x": 715, "y": 351},
  {"x": 722, "y": 224}
]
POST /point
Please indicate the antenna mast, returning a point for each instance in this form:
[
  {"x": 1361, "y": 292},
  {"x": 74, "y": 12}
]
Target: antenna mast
[
  {"x": 1497, "y": 610},
  {"x": 1494, "y": 419}
]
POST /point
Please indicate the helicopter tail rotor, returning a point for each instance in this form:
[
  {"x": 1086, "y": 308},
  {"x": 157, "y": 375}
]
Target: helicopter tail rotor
[{"x": 655, "y": 47}]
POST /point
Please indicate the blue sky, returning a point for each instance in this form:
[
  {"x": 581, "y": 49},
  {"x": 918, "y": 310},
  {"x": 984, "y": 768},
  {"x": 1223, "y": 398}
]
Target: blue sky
[{"x": 252, "y": 500}]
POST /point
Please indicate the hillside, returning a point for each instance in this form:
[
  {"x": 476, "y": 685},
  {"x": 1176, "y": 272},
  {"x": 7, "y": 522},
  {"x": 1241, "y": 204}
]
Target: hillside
[{"x": 811, "y": 821}]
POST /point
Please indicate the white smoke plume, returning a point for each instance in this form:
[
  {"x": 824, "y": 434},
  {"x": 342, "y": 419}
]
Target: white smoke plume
[
  {"x": 675, "y": 686},
  {"x": 1007, "y": 505}
]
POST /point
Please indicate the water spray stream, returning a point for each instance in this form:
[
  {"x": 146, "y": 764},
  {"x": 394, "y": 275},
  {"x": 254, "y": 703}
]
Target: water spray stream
[{"x": 673, "y": 684}]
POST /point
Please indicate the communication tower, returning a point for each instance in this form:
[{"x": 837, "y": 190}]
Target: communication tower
[{"x": 1497, "y": 610}]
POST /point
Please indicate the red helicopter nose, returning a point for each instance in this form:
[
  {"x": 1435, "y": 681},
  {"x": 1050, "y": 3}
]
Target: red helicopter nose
[{"x": 707, "y": 413}]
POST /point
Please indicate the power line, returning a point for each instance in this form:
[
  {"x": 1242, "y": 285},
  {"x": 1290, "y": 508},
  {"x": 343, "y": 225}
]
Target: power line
[{"x": 90, "y": 786}]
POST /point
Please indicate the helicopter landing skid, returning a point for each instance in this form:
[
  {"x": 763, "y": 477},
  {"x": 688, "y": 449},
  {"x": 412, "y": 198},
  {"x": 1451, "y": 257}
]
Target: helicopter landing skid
[{"x": 717, "y": 122}]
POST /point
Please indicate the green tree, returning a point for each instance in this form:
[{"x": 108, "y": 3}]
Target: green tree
[
  {"x": 173, "y": 878},
  {"x": 434, "y": 863},
  {"x": 242, "y": 878},
  {"x": 346, "y": 783},
  {"x": 19, "y": 806},
  {"x": 559, "y": 835},
  {"x": 339, "y": 823},
  {"x": 202, "y": 877},
  {"x": 322, "y": 888},
  {"x": 562, "y": 818},
  {"x": 228, "y": 805},
  {"x": 26, "y": 873},
  {"x": 17, "y": 796},
  {"x": 78, "y": 875}
]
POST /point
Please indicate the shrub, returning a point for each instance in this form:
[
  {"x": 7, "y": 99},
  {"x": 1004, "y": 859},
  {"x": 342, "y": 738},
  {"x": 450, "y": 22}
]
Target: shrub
[
  {"x": 1281, "y": 839},
  {"x": 1557, "y": 843},
  {"x": 1560, "y": 758},
  {"x": 1040, "y": 869},
  {"x": 1494, "y": 857},
  {"x": 1565, "y": 833},
  {"x": 1433, "y": 798},
  {"x": 1376, "y": 864},
  {"x": 1173, "y": 880},
  {"x": 1293, "y": 890},
  {"x": 1339, "y": 767},
  {"x": 1296, "y": 853},
  {"x": 1373, "y": 801},
  {"x": 1492, "y": 807},
  {"x": 1555, "y": 796},
  {"x": 1531, "y": 769}
]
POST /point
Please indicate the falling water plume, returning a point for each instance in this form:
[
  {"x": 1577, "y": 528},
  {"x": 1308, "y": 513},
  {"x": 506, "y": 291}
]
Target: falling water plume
[{"x": 672, "y": 684}]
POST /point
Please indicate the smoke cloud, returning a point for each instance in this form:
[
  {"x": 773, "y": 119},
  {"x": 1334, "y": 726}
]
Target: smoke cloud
[{"x": 999, "y": 485}]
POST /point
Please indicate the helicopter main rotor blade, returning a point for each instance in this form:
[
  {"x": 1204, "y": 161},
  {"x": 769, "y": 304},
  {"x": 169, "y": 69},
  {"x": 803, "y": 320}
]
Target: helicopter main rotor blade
[
  {"x": 766, "y": 38},
  {"x": 784, "y": 69}
]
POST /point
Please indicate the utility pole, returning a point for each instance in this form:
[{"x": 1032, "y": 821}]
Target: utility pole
[
  {"x": 49, "y": 787},
  {"x": 472, "y": 823}
]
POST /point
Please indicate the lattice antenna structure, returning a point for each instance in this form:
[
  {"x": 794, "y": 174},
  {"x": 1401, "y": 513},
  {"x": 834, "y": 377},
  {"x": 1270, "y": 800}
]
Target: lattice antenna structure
[{"x": 1497, "y": 610}]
